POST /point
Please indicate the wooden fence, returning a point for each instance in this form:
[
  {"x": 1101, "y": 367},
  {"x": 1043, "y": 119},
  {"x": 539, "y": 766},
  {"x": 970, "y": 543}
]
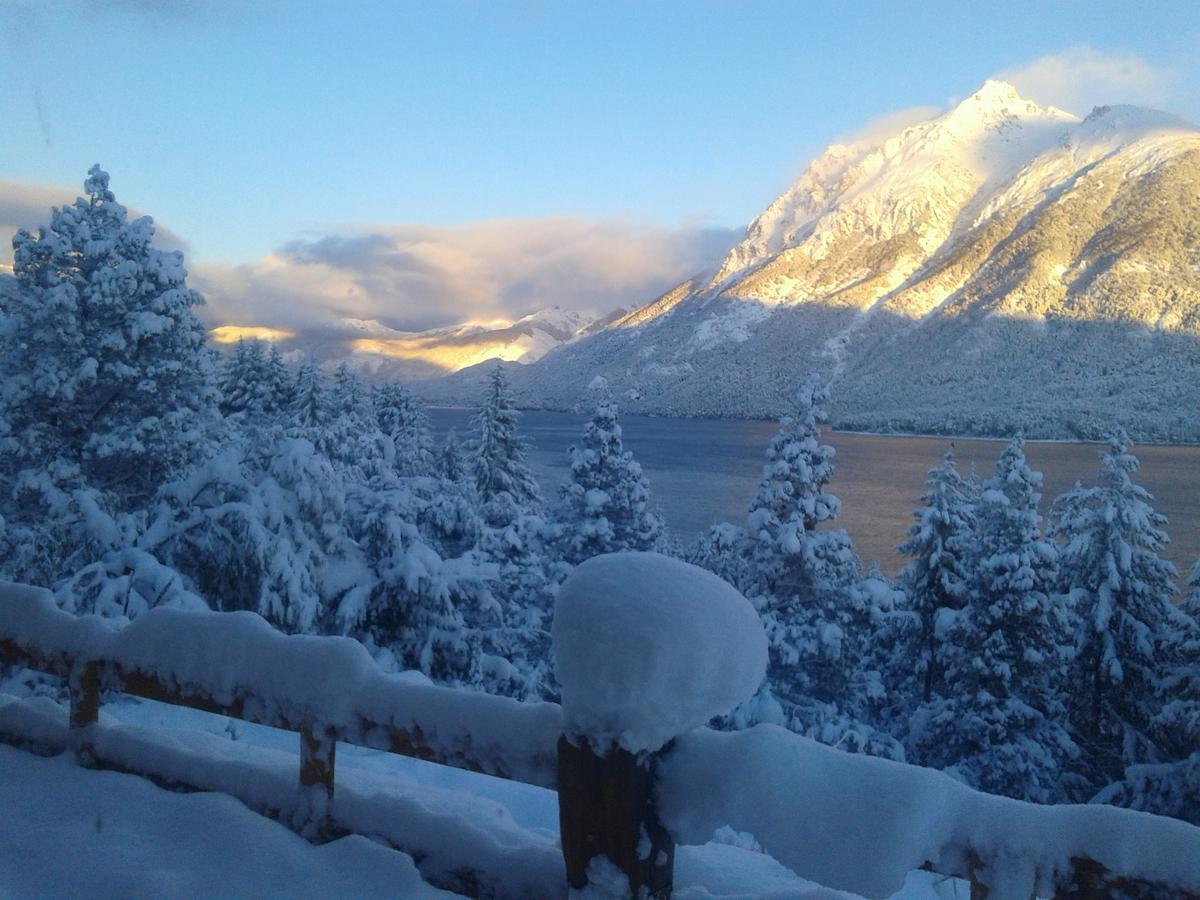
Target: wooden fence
[{"x": 606, "y": 800}]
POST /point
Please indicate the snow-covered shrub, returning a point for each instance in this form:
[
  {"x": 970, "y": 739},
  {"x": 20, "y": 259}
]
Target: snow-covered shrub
[
  {"x": 262, "y": 531},
  {"x": 410, "y": 600},
  {"x": 725, "y": 551}
]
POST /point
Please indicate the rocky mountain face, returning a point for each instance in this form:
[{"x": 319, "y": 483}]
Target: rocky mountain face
[{"x": 1001, "y": 267}]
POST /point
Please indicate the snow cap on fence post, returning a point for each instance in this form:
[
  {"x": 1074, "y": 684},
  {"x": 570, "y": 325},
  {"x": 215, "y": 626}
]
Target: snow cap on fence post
[{"x": 647, "y": 647}]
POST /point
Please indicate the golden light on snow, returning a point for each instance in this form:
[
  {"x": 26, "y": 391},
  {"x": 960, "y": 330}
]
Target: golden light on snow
[
  {"x": 448, "y": 356},
  {"x": 231, "y": 334}
]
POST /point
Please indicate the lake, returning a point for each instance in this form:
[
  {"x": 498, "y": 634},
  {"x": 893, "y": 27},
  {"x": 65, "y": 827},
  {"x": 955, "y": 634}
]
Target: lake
[{"x": 703, "y": 471}]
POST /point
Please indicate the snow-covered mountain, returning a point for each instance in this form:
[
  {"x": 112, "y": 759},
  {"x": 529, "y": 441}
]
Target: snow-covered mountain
[
  {"x": 381, "y": 351},
  {"x": 1001, "y": 266},
  {"x": 384, "y": 350}
]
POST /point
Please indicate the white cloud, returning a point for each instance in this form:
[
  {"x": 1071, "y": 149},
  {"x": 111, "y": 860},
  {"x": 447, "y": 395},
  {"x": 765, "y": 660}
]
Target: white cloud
[
  {"x": 26, "y": 204},
  {"x": 421, "y": 276},
  {"x": 888, "y": 125},
  {"x": 414, "y": 277},
  {"x": 1078, "y": 78}
]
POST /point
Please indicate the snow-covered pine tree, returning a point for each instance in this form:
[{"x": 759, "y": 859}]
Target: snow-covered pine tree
[
  {"x": 499, "y": 453},
  {"x": 262, "y": 526},
  {"x": 1171, "y": 787},
  {"x": 451, "y": 462},
  {"x": 279, "y": 390},
  {"x": 1126, "y": 626},
  {"x": 604, "y": 503},
  {"x": 999, "y": 726},
  {"x": 818, "y": 613},
  {"x": 406, "y": 424},
  {"x": 515, "y": 539},
  {"x": 243, "y": 385},
  {"x": 940, "y": 544},
  {"x": 791, "y": 500},
  {"x": 104, "y": 363},
  {"x": 350, "y": 398},
  {"x": 310, "y": 407},
  {"x": 414, "y": 604},
  {"x": 352, "y": 438}
]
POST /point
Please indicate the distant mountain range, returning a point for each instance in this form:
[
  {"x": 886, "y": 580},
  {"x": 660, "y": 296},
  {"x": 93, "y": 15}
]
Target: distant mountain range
[
  {"x": 1000, "y": 267},
  {"x": 380, "y": 351}
]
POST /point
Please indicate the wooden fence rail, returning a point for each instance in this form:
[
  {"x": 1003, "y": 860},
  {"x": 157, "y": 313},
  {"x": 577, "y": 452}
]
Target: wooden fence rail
[{"x": 606, "y": 798}]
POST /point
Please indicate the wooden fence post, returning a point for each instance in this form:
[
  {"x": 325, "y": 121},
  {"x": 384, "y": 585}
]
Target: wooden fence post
[
  {"x": 606, "y": 808},
  {"x": 318, "y": 750},
  {"x": 83, "y": 685},
  {"x": 1087, "y": 881}
]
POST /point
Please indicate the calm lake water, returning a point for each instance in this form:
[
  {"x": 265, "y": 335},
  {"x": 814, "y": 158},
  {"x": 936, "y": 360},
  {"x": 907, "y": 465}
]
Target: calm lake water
[{"x": 703, "y": 471}]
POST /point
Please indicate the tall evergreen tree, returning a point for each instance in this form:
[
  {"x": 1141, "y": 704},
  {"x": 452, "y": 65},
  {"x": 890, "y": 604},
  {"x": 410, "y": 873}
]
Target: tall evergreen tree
[
  {"x": 938, "y": 576},
  {"x": 243, "y": 385},
  {"x": 104, "y": 363},
  {"x": 451, "y": 463},
  {"x": 605, "y": 501},
  {"x": 999, "y": 725},
  {"x": 1126, "y": 624},
  {"x": 499, "y": 453},
  {"x": 279, "y": 387},
  {"x": 819, "y": 614},
  {"x": 352, "y": 438},
  {"x": 791, "y": 500},
  {"x": 406, "y": 424},
  {"x": 310, "y": 400}
]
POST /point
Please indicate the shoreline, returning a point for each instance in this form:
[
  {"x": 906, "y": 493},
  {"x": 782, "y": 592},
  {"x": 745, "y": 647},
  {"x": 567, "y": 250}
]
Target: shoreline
[{"x": 1099, "y": 442}]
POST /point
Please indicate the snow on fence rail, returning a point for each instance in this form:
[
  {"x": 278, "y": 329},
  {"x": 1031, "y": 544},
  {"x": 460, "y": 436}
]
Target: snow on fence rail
[
  {"x": 634, "y": 776},
  {"x": 326, "y": 688}
]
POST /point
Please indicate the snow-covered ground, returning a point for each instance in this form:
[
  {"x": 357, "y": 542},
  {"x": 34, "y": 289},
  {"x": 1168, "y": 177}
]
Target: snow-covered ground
[{"x": 70, "y": 831}]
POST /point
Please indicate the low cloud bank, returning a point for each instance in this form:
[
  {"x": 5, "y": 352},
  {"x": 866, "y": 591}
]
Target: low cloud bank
[{"x": 414, "y": 277}]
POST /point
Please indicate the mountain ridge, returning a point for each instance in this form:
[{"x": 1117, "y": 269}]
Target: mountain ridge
[{"x": 945, "y": 278}]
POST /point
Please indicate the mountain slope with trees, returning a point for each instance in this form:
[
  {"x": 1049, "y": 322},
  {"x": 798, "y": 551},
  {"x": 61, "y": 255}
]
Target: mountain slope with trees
[{"x": 940, "y": 279}]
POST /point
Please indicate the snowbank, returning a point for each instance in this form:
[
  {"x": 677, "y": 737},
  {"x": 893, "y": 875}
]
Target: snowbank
[
  {"x": 236, "y": 661},
  {"x": 647, "y": 647},
  {"x": 860, "y": 823}
]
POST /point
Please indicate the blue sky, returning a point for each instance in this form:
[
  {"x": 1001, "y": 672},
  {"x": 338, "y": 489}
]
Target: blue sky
[{"x": 250, "y": 128}]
